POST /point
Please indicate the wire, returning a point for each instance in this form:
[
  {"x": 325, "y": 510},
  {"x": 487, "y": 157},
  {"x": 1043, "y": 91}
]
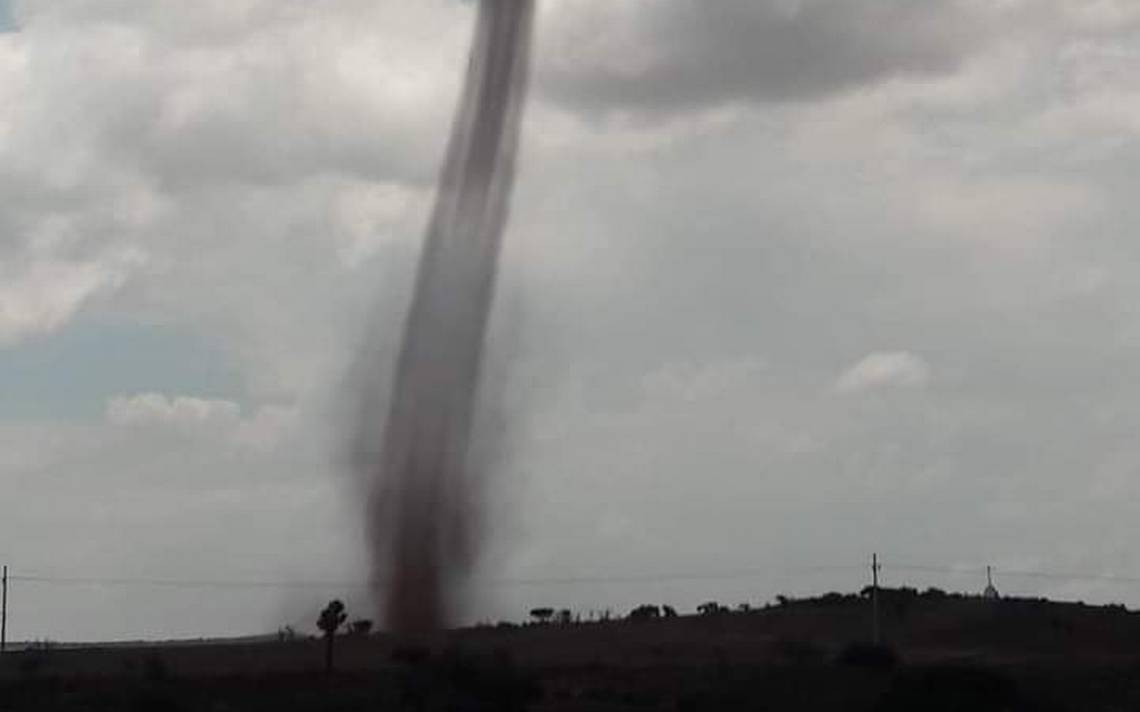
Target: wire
[
  {"x": 598, "y": 579},
  {"x": 531, "y": 581},
  {"x": 179, "y": 583},
  {"x": 663, "y": 577},
  {"x": 1052, "y": 575}
]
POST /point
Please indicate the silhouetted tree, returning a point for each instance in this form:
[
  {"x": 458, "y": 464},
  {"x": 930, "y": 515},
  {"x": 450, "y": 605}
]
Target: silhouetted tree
[
  {"x": 542, "y": 615},
  {"x": 360, "y": 626},
  {"x": 668, "y": 612},
  {"x": 565, "y": 617},
  {"x": 710, "y": 608},
  {"x": 646, "y": 611},
  {"x": 331, "y": 619}
]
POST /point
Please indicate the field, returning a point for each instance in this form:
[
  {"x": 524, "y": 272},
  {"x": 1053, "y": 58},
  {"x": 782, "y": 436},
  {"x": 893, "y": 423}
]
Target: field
[{"x": 943, "y": 652}]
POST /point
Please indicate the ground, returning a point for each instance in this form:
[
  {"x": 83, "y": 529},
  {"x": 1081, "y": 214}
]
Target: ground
[{"x": 940, "y": 652}]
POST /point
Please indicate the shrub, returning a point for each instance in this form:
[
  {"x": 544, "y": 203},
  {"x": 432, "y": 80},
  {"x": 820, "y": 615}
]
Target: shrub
[
  {"x": 646, "y": 611},
  {"x": 360, "y": 626}
]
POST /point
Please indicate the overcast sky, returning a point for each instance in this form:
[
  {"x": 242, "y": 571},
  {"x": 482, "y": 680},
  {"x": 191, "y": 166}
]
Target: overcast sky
[{"x": 786, "y": 282}]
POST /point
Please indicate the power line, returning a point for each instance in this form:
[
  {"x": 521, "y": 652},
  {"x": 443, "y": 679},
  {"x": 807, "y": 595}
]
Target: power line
[
  {"x": 600, "y": 579},
  {"x": 1016, "y": 573},
  {"x": 327, "y": 584},
  {"x": 179, "y": 583},
  {"x": 665, "y": 577}
]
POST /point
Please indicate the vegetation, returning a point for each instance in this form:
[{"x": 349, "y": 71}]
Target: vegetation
[
  {"x": 329, "y": 622},
  {"x": 360, "y": 626},
  {"x": 646, "y": 611},
  {"x": 944, "y": 651}
]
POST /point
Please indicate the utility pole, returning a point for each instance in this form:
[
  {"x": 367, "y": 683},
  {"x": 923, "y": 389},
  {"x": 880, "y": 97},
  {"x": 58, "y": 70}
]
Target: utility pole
[
  {"x": 875, "y": 598},
  {"x": 4, "y": 610}
]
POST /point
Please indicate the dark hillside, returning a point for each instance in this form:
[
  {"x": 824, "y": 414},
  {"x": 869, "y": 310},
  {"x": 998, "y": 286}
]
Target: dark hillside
[{"x": 941, "y": 651}]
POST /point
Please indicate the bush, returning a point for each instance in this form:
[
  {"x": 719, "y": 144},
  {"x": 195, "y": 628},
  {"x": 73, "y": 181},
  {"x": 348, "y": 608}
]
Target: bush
[
  {"x": 834, "y": 598},
  {"x": 360, "y": 626},
  {"x": 646, "y": 611}
]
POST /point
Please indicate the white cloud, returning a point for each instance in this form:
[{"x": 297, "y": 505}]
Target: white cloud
[
  {"x": 884, "y": 369},
  {"x": 265, "y": 430},
  {"x": 179, "y": 411},
  {"x": 269, "y": 163},
  {"x": 175, "y": 487},
  {"x": 44, "y": 294},
  {"x": 211, "y": 137}
]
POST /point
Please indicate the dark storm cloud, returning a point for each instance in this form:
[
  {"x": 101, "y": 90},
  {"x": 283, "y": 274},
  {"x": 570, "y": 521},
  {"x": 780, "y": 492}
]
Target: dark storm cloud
[{"x": 673, "y": 55}]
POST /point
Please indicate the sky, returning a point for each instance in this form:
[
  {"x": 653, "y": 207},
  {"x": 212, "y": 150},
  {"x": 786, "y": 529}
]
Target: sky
[{"x": 786, "y": 282}]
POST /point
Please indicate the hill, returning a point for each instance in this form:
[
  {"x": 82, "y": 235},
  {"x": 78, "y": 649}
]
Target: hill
[{"x": 960, "y": 652}]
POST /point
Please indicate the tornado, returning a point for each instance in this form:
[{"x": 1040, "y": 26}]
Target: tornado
[{"x": 424, "y": 487}]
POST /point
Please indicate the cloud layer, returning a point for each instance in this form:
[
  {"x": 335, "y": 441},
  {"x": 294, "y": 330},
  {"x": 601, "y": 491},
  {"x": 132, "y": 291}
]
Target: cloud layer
[
  {"x": 724, "y": 220},
  {"x": 682, "y": 55}
]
